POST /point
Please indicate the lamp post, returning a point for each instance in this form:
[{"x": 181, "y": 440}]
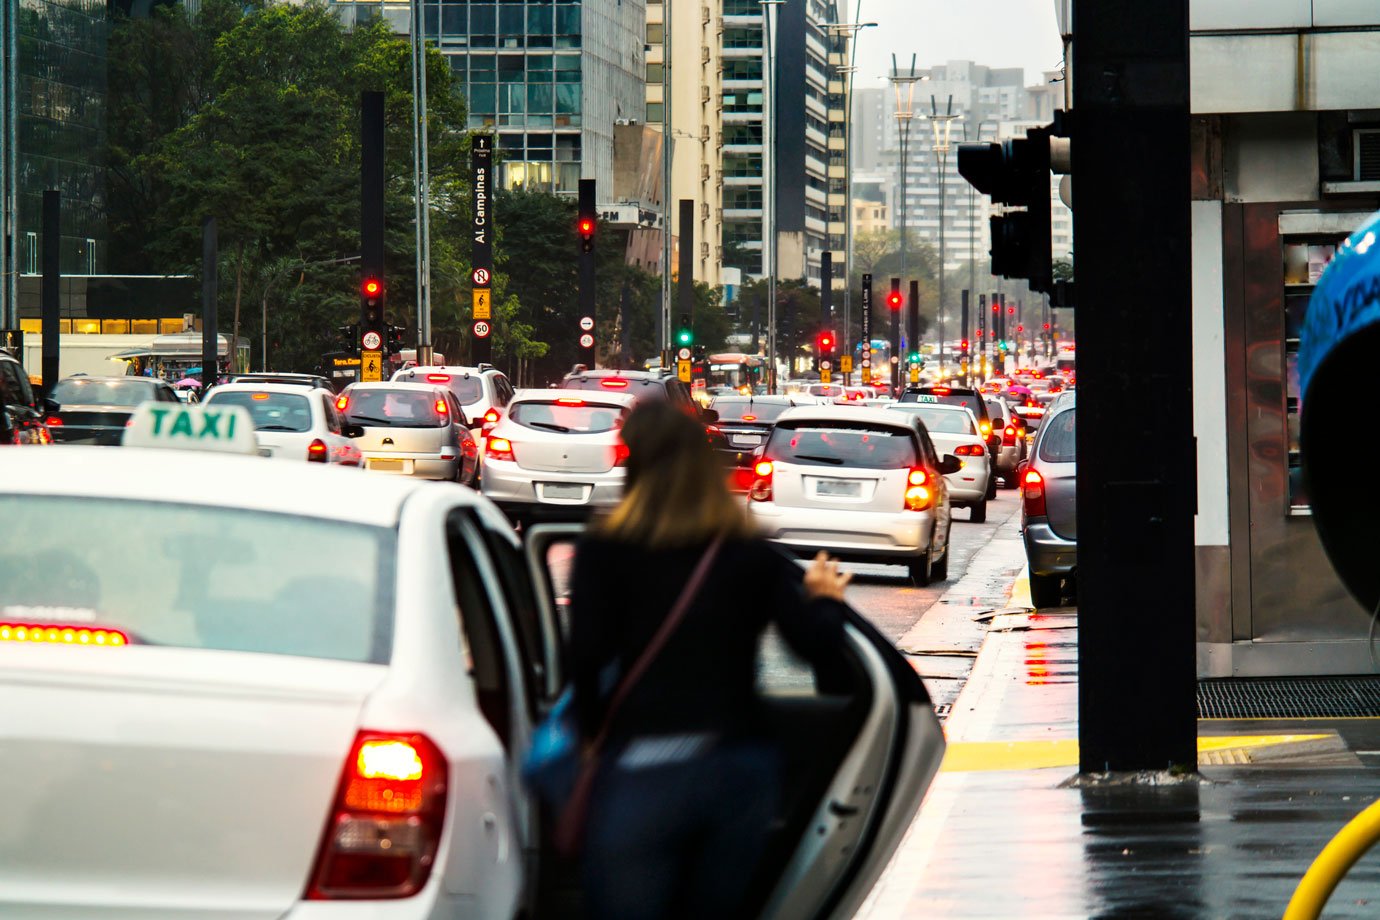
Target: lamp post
[
  {"x": 943, "y": 130},
  {"x": 769, "y": 180},
  {"x": 850, "y": 29},
  {"x": 904, "y": 85}
]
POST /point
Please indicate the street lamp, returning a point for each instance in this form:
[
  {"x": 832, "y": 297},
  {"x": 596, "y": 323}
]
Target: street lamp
[
  {"x": 850, "y": 29},
  {"x": 904, "y": 85},
  {"x": 943, "y": 130}
]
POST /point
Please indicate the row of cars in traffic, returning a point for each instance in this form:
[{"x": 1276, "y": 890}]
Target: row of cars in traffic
[{"x": 291, "y": 690}]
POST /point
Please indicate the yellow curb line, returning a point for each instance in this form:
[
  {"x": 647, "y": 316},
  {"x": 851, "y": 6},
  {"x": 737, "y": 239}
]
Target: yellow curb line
[
  {"x": 1020, "y": 589},
  {"x": 983, "y": 756}
]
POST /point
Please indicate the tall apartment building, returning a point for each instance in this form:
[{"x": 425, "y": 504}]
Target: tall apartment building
[
  {"x": 802, "y": 155},
  {"x": 551, "y": 77},
  {"x": 696, "y": 104}
]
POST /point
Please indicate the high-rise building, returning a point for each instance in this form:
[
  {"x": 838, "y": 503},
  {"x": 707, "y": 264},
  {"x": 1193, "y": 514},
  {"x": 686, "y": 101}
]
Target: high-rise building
[
  {"x": 551, "y": 77},
  {"x": 696, "y": 105}
]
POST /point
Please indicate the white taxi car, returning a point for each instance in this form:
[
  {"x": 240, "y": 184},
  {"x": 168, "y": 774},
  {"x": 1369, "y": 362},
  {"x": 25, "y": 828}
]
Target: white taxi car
[
  {"x": 303, "y": 695},
  {"x": 293, "y": 422},
  {"x": 954, "y": 431}
]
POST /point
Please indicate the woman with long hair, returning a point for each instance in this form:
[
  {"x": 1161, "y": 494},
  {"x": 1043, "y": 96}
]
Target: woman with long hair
[{"x": 688, "y": 782}]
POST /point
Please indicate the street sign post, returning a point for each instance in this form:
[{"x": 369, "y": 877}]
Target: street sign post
[
  {"x": 482, "y": 248},
  {"x": 481, "y": 329},
  {"x": 867, "y": 327},
  {"x": 371, "y": 366},
  {"x": 846, "y": 364},
  {"x": 483, "y": 308},
  {"x": 825, "y": 376},
  {"x": 683, "y": 371}
]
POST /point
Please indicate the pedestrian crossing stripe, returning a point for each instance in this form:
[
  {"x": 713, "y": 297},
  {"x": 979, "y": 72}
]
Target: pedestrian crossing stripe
[{"x": 984, "y": 756}]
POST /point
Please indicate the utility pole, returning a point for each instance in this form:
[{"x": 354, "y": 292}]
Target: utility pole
[{"x": 1137, "y": 706}]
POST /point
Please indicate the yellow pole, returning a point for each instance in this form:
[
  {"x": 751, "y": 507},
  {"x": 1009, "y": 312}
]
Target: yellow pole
[{"x": 1336, "y": 859}]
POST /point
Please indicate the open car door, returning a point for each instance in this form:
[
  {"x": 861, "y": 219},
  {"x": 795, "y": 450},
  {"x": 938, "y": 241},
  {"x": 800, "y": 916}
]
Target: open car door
[{"x": 860, "y": 749}]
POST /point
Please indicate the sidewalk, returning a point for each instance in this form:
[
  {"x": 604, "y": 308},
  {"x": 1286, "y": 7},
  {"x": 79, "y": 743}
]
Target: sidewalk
[{"x": 1001, "y": 835}]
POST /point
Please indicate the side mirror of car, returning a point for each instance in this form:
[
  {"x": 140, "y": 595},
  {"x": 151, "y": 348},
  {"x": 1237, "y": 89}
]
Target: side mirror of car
[
  {"x": 950, "y": 464},
  {"x": 709, "y": 416},
  {"x": 352, "y": 431}
]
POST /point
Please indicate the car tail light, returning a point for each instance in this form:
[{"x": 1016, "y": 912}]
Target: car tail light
[
  {"x": 1033, "y": 493},
  {"x": 567, "y": 401},
  {"x": 764, "y": 470},
  {"x": 919, "y": 496},
  {"x": 749, "y": 418},
  {"x": 442, "y": 408},
  {"x": 53, "y": 421},
  {"x": 449, "y": 453},
  {"x": 438, "y": 378},
  {"x": 614, "y": 383},
  {"x": 940, "y": 391},
  {"x": 259, "y": 396},
  {"x": 383, "y": 832},
  {"x": 491, "y": 417},
  {"x": 969, "y": 450},
  {"x": 341, "y": 402},
  {"x": 499, "y": 449},
  {"x": 316, "y": 451},
  {"x": 985, "y": 427},
  {"x": 620, "y": 454},
  {"x": 61, "y": 635},
  {"x": 1008, "y": 435}
]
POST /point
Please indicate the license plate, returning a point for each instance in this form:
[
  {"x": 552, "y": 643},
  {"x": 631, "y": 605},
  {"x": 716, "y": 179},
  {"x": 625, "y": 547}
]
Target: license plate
[
  {"x": 746, "y": 440},
  {"x": 387, "y": 466},
  {"x": 562, "y": 490},
  {"x": 840, "y": 488}
]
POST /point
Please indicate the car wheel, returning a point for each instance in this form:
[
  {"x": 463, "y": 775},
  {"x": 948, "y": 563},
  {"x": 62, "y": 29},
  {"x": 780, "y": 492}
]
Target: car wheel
[
  {"x": 978, "y": 512},
  {"x": 1045, "y": 590},
  {"x": 939, "y": 571},
  {"x": 921, "y": 570}
]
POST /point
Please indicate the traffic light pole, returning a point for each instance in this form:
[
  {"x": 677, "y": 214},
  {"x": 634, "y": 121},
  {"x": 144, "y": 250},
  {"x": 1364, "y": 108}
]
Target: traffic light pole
[
  {"x": 896, "y": 309},
  {"x": 913, "y": 335},
  {"x": 586, "y": 335},
  {"x": 1132, "y": 166},
  {"x": 965, "y": 342}
]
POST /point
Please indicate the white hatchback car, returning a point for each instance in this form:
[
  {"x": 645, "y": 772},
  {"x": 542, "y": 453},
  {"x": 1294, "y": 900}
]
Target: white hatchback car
[
  {"x": 862, "y": 484},
  {"x": 556, "y": 451},
  {"x": 304, "y": 695},
  {"x": 954, "y": 431},
  {"x": 293, "y": 422}
]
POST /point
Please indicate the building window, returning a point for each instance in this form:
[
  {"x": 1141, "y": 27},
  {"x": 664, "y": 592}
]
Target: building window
[
  {"x": 655, "y": 113},
  {"x": 655, "y": 73},
  {"x": 656, "y": 33}
]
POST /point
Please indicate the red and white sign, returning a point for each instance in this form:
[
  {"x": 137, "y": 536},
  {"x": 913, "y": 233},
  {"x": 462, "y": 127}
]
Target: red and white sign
[
  {"x": 481, "y": 330},
  {"x": 586, "y": 323},
  {"x": 371, "y": 341},
  {"x": 480, "y": 276},
  {"x": 586, "y": 341}
]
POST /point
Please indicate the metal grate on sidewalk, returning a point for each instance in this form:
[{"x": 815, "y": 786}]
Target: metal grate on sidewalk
[{"x": 1289, "y": 697}]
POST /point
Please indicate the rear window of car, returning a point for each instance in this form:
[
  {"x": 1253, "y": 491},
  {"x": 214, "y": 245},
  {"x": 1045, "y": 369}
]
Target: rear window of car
[
  {"x": 939, "y": 421},
  {"x": 395, "y": 409},
  {"x": 566, "y": 416},
  {"x": 746, "y": 410},
  {"x": 467, "y": 389},
  {"x": 101, "y": 392},
  {"x": 198, "y": 576},
  {"x": 639, "y": 387},
  {"x": 270, "y": 411},
  {"x": 872, "y": 447},
  {"x": 967, "y": 401},
  {"x": 825, "y": 389},
  {"x": 1057, "y": 441}
]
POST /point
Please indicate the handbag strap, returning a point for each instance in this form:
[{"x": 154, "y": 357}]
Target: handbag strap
[{"x": 659, "y": 640}]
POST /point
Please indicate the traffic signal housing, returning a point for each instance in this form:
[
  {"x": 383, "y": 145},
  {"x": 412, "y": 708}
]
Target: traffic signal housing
[
  {"x": 893, "y": 297},
  {"x": 373, "y": 296},
  {"x": 685, "y": 335},
  {"x": 397, "y": 339},
  {"x": 1016, "y": 173}
]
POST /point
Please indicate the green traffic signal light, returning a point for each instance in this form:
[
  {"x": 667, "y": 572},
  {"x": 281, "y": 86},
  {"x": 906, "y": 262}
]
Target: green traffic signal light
[{"x": 684, "y": 337}]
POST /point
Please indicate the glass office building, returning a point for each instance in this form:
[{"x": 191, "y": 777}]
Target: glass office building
[{"x": 550, "y": 77}]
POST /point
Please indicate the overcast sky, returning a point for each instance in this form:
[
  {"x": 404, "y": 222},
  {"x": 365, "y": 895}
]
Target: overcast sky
[{"x": 998, "y": 33}]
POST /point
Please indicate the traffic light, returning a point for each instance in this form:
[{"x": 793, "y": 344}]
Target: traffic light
[
  {"x": 685, "y": 336},
  {"x": 1020, "y": 329},
  {"x": 397, "y": 338},
  {"x": 373, "y": 296},
  {"x": 1016, "y": 173},
  {"x": 586, "y": 227},
  {"x": 826, "y": 343},
  {"x": 349, "y": 336},
  {"x": 914, "y": 356},
  {"x": 963, "y": 345},
  {"x": 893, "y": 297}
]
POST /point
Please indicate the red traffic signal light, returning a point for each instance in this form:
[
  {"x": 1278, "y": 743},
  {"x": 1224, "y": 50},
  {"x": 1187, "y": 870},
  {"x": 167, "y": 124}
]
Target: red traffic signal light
[
  {"x": 964, "y": 344},
  {"x": 1046, "y": 327},
  {"x": 1020, "y": 329},
  {"x": 826, "y": 341},
  {"x": 1010, "y": 311},
  {"x": 893, "y": 300},
  {"x": 372, "y": 287},
  {"x": 586, "y": 226}
]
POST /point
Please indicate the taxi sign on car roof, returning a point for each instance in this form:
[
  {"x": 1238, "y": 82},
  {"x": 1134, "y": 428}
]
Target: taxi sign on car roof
[
  {"x": 926, "y": 398},
  {"x": 223, "y": 429}
]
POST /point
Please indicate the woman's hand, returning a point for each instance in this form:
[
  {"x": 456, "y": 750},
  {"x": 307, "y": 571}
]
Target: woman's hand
[{"x": 823, "y": 578}]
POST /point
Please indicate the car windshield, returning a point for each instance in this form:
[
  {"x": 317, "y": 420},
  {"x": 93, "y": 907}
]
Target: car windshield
[
  {"x": 1057, "y": 441},
  {"x": 872, "y": 447},
  {"x": 747, "y": 410},
  {"x": 270, "y": 411},
  {"x": 384, "y": 408},
  {"x": 573, "y": 416},
  {"x": 936, "y": 420},
  {"x": 468, "y": 389},
  {"x": 78, "y": 392},
  {"x": 199, "y": 576}
]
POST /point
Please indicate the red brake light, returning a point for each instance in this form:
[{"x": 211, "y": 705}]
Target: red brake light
[
  {"x": 259, "y": 396},
  {"x": 1008, "y": 435},
  {"x": 620, "y": 454},
  {"x": 438, "y": 378},
  {"x": 985, "y": 427},
  {"x": 761, "y": 486},
  {"x": 918, "y": 494},
  {"x": 969, "y": 450},
  {"x": 381, "y": 838},
  {"x": 53, "y": 421},
  {"x": 491, "y": 417},
  {"x": 341, "y": 402},
  {"x": 567, "y": 401},
  {"x": 749, "y": 418},
  {"x": 498, "y": 449},
  {"x": 316, "y": 451},
  {"x": 940, "y": 391},
  {"x": 61, "y": 635},
  {"x": 442, "y": 408},
  {"x": 1033, "y": 493},
  {"x": 614, "y": 383}
]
